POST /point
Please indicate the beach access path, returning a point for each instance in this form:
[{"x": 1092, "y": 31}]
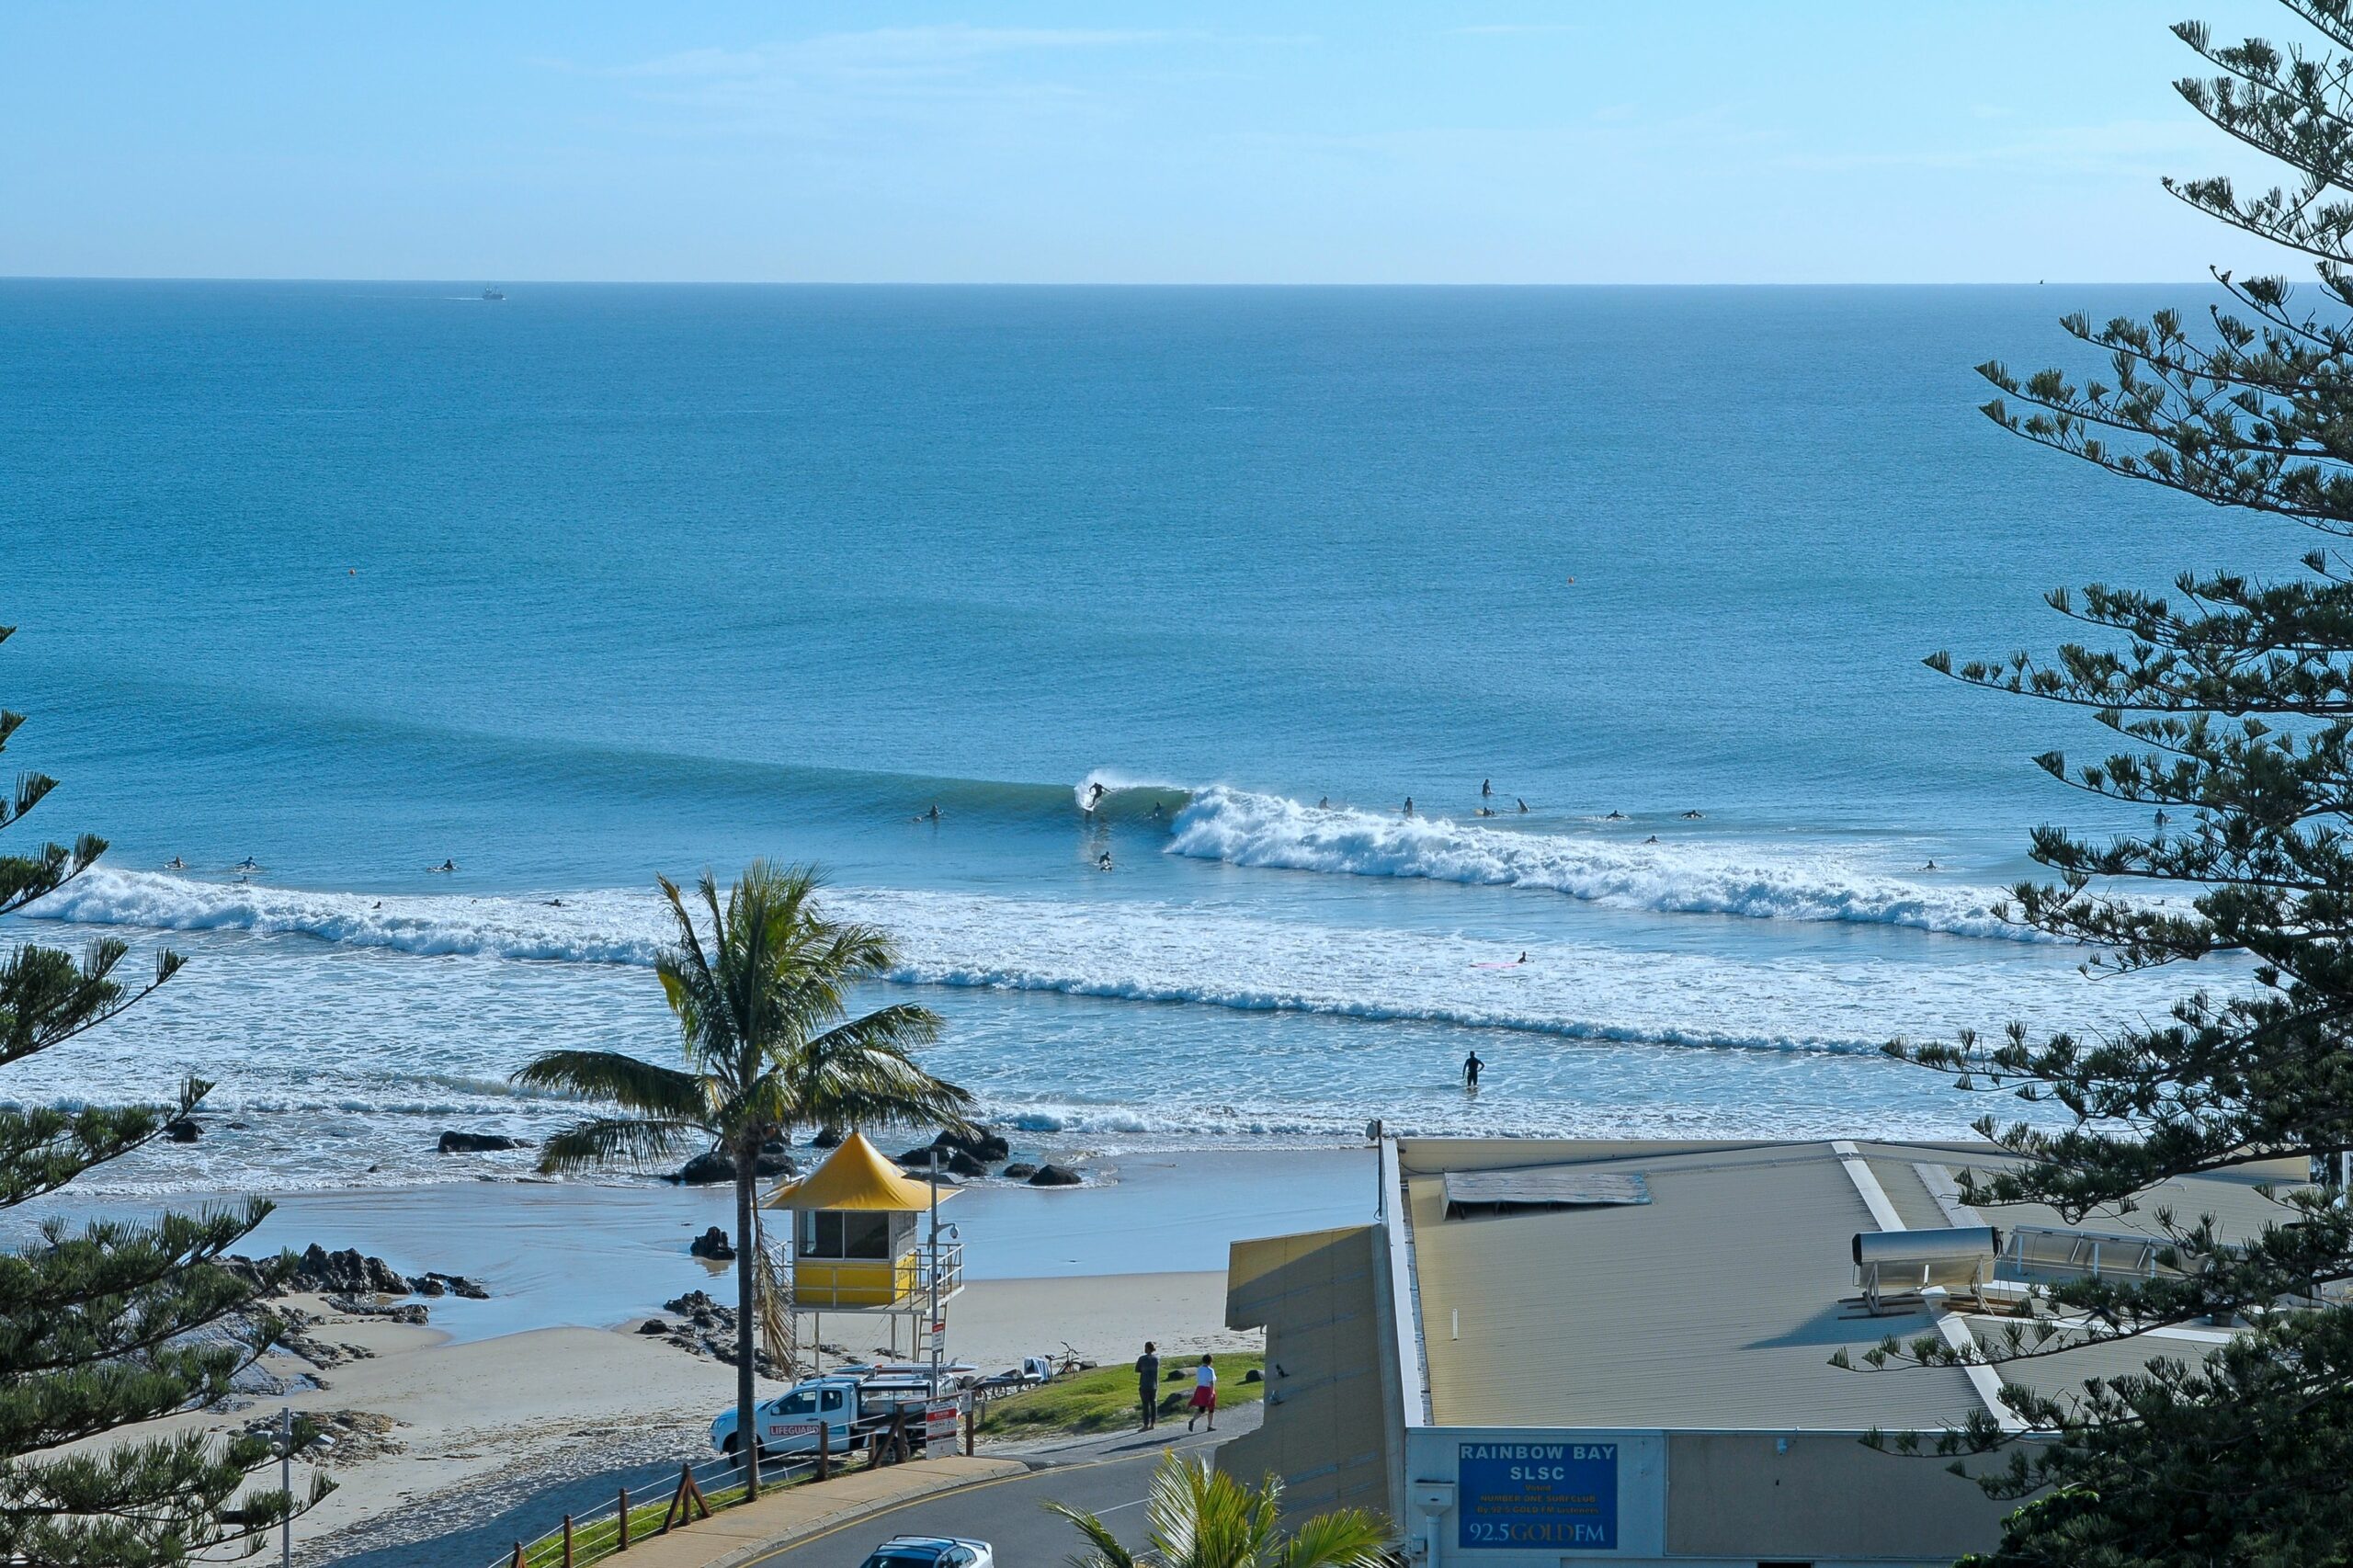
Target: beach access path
[{"x": 1001, "y": 1501}]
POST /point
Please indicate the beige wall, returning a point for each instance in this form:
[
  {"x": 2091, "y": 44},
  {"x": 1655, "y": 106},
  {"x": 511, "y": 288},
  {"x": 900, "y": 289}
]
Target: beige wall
[
  {"x": 1326, "y": 1432},
  {"x": 1736, "y": 1494}
]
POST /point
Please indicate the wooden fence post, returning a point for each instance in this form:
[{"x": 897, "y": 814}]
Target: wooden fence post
[
  {"x": 624, "y": 1519},
  {"x": 825, "y": 1447},
  {"x": 567, "y": 1540},
  {"x": 517, "y": 1561},
  {"x": 971, "y": 1422},
  {"x": 683, "y": 1503}
]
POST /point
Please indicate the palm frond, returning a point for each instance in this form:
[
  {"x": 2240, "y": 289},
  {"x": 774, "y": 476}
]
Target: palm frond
[
  {"x": 1345, "y": 1538},
  {"x": 1106, "y": 1551},
  {"x": 855, "y": 1076},
  {"x": 1177, "y": 1508},
  {"x": 602, "y": 1141},
  {"x": 661, "y": 1092}
]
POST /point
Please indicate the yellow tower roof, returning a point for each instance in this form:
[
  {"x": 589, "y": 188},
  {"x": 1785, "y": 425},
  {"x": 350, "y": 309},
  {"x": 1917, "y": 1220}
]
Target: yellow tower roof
[{"x": 856, "y": 1175}]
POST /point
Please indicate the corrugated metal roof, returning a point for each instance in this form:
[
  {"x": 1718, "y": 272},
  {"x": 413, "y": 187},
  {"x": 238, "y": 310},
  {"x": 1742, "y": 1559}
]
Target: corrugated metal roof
[
  {"x": 1910, "y": 1195},
  {"x": 1717, "y": 1304},
  {"x": 2239, "y": 1211},
  {"x": 2065, "y": 1371},
  {"x": 1544, "y": 1187}
]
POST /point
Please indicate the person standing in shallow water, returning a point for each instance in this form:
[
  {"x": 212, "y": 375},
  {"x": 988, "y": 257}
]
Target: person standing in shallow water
[
  {"x": 1471, "y": 1067},
  {"x": 1148, "y": 1385}
]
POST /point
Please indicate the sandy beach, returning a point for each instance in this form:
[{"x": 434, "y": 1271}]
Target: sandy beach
[{"x": 504, "y": 1412}]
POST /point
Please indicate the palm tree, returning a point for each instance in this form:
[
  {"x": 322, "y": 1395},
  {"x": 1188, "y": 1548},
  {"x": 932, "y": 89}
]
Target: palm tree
[
  {"x": 1201, "y": 1517},
  {"x": 761, "y": 1000}
]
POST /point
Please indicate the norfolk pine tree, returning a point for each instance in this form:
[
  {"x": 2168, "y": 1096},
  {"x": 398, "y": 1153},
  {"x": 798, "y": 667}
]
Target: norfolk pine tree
[
  {"x": 107, "y": 1324},
  {"x": 2231, "y": 702}
]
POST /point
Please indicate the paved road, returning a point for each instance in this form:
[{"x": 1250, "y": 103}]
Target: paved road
[{"x": 1108, "y": 1479}]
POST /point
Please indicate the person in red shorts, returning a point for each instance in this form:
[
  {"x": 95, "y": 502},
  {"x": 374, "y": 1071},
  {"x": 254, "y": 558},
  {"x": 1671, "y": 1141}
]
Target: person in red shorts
[{"x": 1204, "y": 1394}]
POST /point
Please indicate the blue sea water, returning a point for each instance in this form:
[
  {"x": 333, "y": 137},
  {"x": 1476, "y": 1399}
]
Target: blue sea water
[{"x": 594, "y": 584}]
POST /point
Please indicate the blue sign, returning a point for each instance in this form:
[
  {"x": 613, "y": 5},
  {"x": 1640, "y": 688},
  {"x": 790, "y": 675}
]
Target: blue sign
[{"x": 1537, "y": 1497}]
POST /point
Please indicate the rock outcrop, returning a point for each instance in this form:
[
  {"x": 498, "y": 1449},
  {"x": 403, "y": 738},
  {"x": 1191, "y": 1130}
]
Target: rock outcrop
[
  {"x": 718, "y": 1166},
  {"x": 954, "y": 1161},
  {"x": 980, "y": 1143},
  {"x": 456, "y": 1143}
]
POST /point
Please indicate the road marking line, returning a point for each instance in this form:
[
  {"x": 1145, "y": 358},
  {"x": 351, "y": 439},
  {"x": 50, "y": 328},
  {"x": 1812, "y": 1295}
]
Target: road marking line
[{"x": 958, "y": 1492}]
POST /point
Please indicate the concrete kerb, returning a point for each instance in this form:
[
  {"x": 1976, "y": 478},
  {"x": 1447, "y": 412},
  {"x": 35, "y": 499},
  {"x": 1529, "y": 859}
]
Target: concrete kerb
[{"x": 733, "y": 1536}]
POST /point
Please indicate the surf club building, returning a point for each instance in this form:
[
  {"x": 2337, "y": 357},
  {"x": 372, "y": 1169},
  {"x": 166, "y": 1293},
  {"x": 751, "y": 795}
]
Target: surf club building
[{"x": 1567, "y": 1353}]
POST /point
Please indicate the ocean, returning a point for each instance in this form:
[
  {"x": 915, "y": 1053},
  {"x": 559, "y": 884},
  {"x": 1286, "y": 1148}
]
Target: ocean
[{"x": 596, "y": 584}]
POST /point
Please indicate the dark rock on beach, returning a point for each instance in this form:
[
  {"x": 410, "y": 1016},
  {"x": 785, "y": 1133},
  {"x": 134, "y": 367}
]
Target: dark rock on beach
[
  {"x": 980, "y": 1144},
  {"x": 346, "y": 1273},
  {"x": 1056, "y": 1175},
  {"x": 713, "y": 1244},
  {"x": 1020, "y": 1170},
  {"x": 827, "y": 1137},
  {"x": 455, "y": 1142},
  {"x": 717, "y": 1165},
  {"x": 364, "y": 1307},
  {"x": 183, "y": 1130},
  {"x": 956, "y": 1162},
  {"x": 352, "y": 1274},
  {"x": 709, "y": 1329}
]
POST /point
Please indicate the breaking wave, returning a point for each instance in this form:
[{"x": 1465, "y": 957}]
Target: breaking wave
[
  {"x": 1151, "y": 952},
  {"x": 1243, "y": 828}
]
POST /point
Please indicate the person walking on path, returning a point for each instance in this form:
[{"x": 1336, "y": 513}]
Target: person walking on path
[
  {"x": 1204, "y": 1394},
  {"x": 1148, "y": 1385}
]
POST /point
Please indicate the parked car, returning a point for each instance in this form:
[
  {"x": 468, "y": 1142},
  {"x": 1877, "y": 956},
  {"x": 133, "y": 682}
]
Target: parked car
[
  {"x": 848, "y": 1407},
  {"x": 931, "y": 1551}
]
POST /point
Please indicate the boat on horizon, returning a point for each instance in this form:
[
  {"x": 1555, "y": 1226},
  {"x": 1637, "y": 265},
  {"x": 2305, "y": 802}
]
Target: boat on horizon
[{"x": 494, "y": 293}]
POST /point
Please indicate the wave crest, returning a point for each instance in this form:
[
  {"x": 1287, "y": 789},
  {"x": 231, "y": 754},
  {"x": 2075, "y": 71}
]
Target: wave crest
[{"x": 1243, "y": 828}]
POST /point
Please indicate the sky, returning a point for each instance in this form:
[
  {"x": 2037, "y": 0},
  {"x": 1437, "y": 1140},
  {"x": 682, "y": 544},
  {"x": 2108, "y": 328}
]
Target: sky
[{"x": 1473, "y": 141}]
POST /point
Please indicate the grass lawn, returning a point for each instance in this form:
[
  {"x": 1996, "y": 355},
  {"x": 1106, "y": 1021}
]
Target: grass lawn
[
  {"x": 1105, "y": 1400},
  {"x": 601, "y": 1538}
]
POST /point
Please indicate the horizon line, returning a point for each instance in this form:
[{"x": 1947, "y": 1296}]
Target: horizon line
[{"x": 482, "y": 280}]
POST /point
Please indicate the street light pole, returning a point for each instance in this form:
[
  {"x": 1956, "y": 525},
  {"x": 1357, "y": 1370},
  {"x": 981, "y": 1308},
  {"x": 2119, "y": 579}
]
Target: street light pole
[
  {"x": 934, "y": 1280},
  {"x": 286, "y": 1479}
]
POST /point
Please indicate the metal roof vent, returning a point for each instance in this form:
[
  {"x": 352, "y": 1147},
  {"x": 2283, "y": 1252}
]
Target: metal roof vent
[{"x": 1543, "y": 1186}]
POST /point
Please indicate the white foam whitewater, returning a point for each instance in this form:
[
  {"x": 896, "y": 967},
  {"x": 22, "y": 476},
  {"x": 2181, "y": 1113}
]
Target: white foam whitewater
[
  {"x": 1144, "y": 950},
  {"x": 1244, "y": 828}
]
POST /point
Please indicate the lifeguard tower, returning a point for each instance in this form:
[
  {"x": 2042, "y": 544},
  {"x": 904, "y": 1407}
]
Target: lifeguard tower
[{"x": 858, "y": 1246}]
